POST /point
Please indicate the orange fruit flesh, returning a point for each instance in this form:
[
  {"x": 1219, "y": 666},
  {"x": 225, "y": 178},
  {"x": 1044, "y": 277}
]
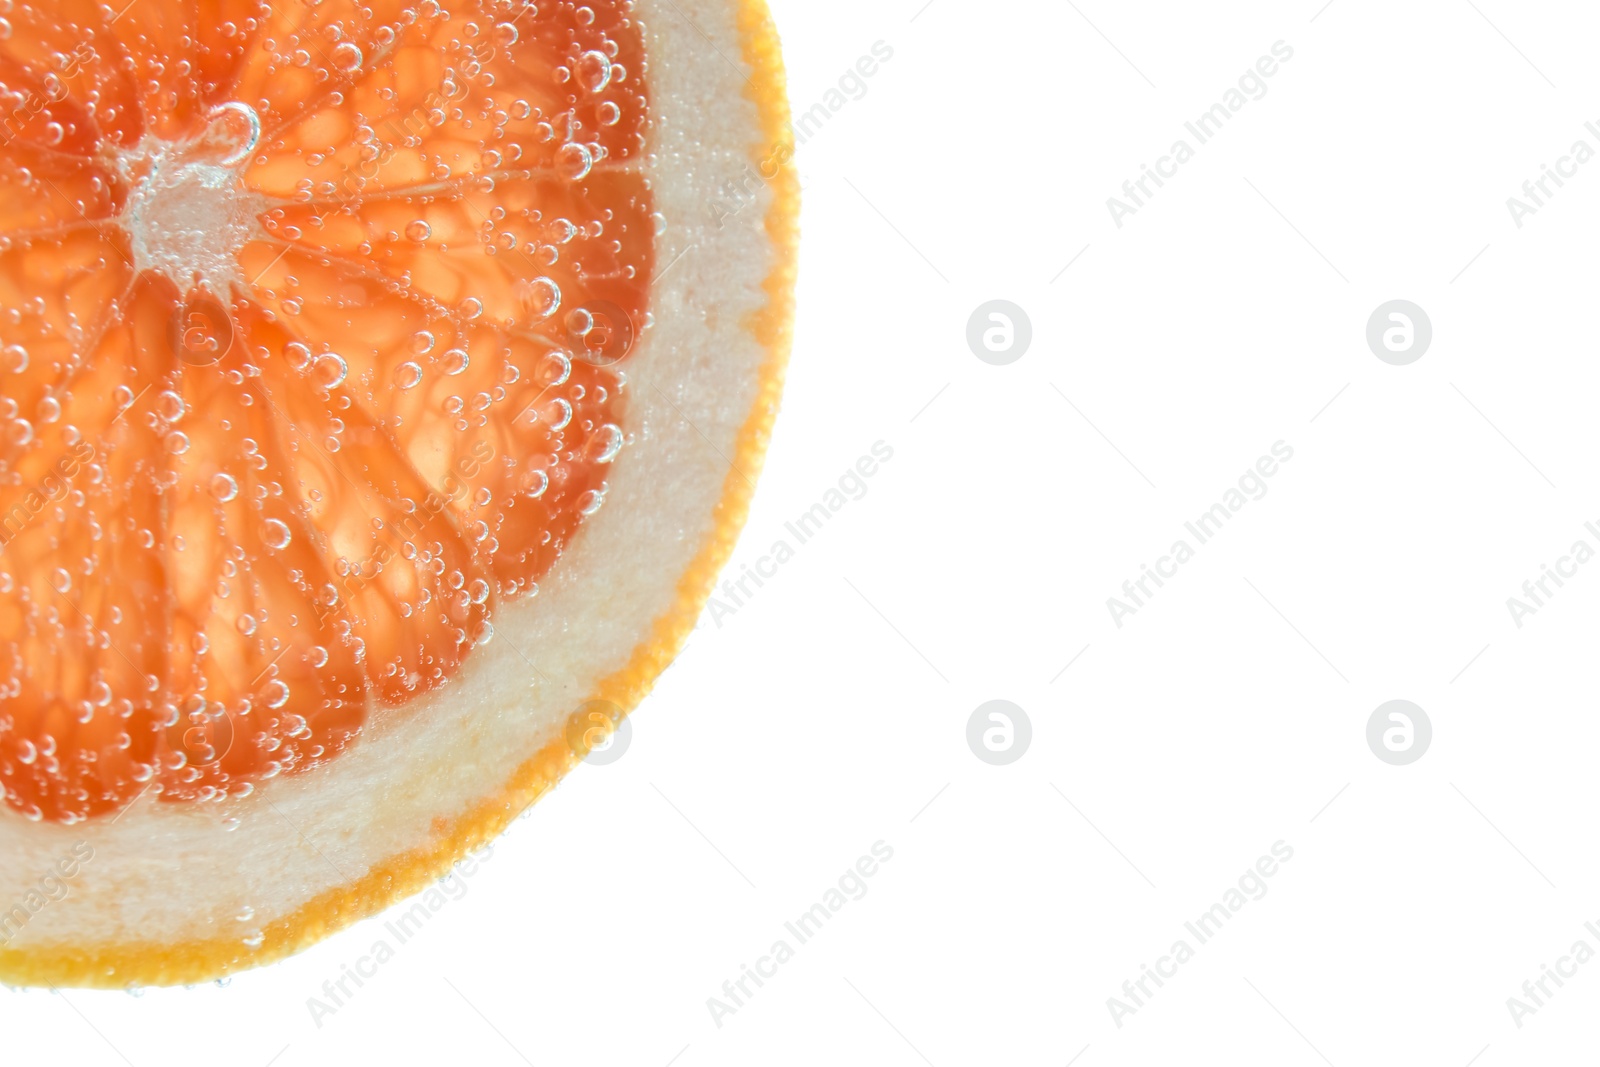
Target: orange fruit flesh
[{"x": 313, "y": 326}]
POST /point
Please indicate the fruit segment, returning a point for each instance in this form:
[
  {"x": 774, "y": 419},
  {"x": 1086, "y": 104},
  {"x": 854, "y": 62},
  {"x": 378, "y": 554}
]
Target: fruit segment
[{"x": 314, "y": 320}]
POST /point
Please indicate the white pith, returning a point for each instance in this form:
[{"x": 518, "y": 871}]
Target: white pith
[{"x": 172, "y": 873}]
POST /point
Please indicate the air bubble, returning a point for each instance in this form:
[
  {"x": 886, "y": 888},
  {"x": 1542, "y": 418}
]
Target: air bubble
[
  {"x": 346, "y": 57},
  {"x": 223, "y": 487},
  {"x": 231, "y": 133},
  {"x": 574, "y": 161},
  {"x": 559, "y": 413},
  {"x": 275, "y": 534},
  {"x": 329, "y": 369},
  {"x": 556, "y": 370},
  {"x": 170, "y": 406},
  {"x": 418, "y": 230},
  {"x": 593, "y": 70},
  {"x": 541, "y": 297},
  {"x": 605, "y": 444},
  {"x": 407, "y": 375}
]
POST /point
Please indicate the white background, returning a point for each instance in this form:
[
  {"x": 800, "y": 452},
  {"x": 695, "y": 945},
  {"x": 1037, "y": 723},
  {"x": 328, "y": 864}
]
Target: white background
[{"x": 830, "y": 711}]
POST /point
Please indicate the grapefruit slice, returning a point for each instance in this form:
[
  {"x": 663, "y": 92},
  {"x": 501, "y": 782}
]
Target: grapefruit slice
[{"x": 380, "y": 385}]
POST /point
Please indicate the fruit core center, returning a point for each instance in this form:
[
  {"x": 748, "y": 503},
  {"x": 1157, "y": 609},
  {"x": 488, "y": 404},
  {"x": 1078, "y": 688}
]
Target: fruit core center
[{"x": 188, "y": 212}]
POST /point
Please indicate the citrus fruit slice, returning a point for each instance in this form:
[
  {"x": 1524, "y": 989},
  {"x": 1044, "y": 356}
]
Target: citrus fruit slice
[{"x": 380, "y": 388}]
